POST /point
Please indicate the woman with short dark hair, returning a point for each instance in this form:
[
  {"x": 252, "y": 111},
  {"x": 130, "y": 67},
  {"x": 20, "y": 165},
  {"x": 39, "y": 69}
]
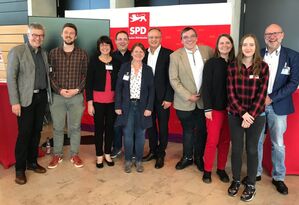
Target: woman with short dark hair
[{"x": 100, "y": 85}]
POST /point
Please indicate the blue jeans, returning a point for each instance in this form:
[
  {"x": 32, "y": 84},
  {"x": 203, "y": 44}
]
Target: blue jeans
[
  {"x": 134, "y": 127},
  {"x": 277, "y": 125}
]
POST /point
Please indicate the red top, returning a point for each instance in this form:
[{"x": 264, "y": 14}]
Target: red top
[{"x": 106, "y": 96}]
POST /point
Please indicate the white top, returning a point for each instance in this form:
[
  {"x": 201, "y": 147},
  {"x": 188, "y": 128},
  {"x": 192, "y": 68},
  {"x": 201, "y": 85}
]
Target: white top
[
  {"x": 196, "y": 64},
  {"x": 135, "y": 84},
  {"x": 152, "y": 58},
  {"x": 272, "y": 60}
]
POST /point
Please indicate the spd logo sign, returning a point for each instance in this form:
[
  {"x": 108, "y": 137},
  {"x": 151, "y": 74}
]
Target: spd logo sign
[{"x": 138, "y": 25}]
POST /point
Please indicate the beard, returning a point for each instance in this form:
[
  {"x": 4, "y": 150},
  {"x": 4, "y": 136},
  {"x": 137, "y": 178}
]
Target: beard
[{"x": 69, "y": 42}]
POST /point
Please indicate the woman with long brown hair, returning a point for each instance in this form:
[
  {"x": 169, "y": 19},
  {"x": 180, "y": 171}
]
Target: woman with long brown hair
[
  {"x": 247, "y": 83},
  {"x": 215, "y": 102}
]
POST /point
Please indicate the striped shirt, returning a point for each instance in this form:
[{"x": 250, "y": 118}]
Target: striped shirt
[
  {"x": 68, "y": 69},
  {"x": 247, "y": 93}
]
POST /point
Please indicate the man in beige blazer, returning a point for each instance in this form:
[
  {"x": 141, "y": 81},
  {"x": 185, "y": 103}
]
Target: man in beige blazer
[
  {"x": 28, "y": 87},
  {"x": 185, "y": 75}
]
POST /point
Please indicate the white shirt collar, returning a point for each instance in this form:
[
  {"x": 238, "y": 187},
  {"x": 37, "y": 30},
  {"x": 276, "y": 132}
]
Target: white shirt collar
[
  {"x": 190, "y": 51},
  {"x": 277, "y": 51},
  {"x": 156, "y": 51}
]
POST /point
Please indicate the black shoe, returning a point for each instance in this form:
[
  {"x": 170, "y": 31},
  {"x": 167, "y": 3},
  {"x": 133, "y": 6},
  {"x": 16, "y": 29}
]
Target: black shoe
[
  {"x": 36, "y": 168},
  {"x": 234, "y": 188},
  {"x": 281, "y": 187},
  {"x": 244, "y": 180},
  {"x": 115, "y": 153},
  {"x": 159, "y": 162},
  {"x": 183, "y": 163},
  {"x": 110, "y": 164},
  {"x": 149, "y": 157},
  {"x": 222, "y": 175},
  {"x": 206, "y": 178},
  {"x": 248, "y": 193},
  {"x": 199, "y": 164},
  {"x": 20, "y": 178},
  {"x": 100, "y": 165}
]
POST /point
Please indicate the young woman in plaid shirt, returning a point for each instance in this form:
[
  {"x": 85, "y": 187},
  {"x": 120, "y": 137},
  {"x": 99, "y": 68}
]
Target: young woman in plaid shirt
[{"x": 247, "y": 82}]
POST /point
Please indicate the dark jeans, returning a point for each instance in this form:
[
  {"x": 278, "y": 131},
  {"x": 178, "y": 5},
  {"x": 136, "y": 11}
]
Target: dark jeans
[
  {"x": 252, "y": 135},
  {"x": 117, "y": 140},
  {"x": 30, "y": 124},
  {"x": 194, "y": 133},
  {"x": 158, "y": 142},
  {"x": 134, "y": 127},
  {"x": 104, "y": 123}
]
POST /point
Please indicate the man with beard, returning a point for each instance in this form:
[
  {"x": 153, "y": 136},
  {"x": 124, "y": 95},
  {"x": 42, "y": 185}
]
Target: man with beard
[
  {"x": 283, "y": 81},
  {"x": 68, "y": 76},
  {"x": 123, "y": 55}
]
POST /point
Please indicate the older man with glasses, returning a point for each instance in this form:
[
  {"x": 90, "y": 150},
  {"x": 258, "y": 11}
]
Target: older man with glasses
[{"x": 28, "y": 85}]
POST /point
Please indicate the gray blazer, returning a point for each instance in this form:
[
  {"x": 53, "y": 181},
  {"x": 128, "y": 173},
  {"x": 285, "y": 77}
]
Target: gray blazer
[
  {"x": 21, "y": 75},
  {"x": 182, "y": 80}
]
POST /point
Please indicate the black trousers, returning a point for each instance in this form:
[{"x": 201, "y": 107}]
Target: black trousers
[
  {"x": 158, "y": 140},
  {"x": 252, "y": 135},
  {"x": 194, "y": 133},
  {"x": 104, "y": 127},
  {"x": 30, "y": 125}
]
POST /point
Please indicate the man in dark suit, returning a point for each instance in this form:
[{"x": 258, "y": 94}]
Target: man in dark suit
[
  {"x": 123, "y": 55},
  {"x": 284, "y": 78},
  {"x": 28, "y": 86},
  {"x": 157, "y": 57}
]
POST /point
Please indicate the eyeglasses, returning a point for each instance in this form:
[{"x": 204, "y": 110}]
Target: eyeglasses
[
  {"x": 189, "y": 37},
  {"x": 37, "y": 36},
  {"x": 267, "y": 35},
  {"x": 154, "y": 37}
]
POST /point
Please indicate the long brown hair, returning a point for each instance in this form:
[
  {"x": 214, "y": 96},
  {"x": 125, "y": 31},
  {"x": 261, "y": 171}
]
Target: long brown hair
[
  {"x": 231, "y": 55},
  {"x": 256, "y": 59}
]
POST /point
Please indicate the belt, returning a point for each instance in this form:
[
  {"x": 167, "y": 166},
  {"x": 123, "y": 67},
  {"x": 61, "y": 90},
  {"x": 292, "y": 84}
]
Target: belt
[
  {"x": 38, "y": 91},
  {"x": 134, "y": 100}
]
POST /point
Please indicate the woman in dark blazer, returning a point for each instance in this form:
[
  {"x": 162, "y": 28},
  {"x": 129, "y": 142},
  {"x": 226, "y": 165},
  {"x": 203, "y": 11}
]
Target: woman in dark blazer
[
  {"x": 134, "y": 104},
  {"x": 100, "y": 85}
]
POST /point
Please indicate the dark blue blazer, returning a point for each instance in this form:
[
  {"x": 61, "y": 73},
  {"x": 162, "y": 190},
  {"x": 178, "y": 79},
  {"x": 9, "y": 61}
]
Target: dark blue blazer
[
  {"x": 122, "y": 95},
  {"x": 163, "y": 89},
  {"x": 285, "y": 85}
]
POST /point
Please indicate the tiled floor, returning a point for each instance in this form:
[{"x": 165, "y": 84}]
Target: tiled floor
[{"x": 111, "y": 185}]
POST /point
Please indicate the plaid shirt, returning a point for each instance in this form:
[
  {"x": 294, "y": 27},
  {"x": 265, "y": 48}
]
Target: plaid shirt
[
  {"x": 68, "y": 70},
  {"x": 248, "y": 92}
]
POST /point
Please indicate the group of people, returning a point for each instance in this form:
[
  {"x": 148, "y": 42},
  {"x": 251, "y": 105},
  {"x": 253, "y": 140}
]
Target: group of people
[{"x": 219, "y": 99}]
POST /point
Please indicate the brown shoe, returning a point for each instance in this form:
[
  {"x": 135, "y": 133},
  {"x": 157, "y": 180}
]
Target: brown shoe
[
  {"x": 36, "y": 168},
  {"x": 20, "y": 178}
]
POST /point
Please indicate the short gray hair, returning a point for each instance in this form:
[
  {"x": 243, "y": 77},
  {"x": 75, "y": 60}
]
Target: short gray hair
[{"x": 35, "y": 26}]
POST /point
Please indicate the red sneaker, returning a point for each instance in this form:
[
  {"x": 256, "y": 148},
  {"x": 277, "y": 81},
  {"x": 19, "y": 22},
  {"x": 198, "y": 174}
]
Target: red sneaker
[
  {"x": 56, "y": 159},
  {"x": 77, "y": 162}
]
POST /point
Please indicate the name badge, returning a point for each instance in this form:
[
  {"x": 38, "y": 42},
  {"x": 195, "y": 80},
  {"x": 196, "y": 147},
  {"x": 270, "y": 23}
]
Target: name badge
[
  {"x": 254, "y": 77},
  {"x": 286, "y": 70},
  {"x": 126, "y": 77},
  {"x": 109, "y": 67}
]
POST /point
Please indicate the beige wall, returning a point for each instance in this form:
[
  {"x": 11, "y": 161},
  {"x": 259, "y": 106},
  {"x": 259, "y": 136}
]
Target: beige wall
[{"x": 42, "y": 8}]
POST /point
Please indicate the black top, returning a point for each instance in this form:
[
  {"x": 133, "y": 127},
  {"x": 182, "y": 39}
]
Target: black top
[
  {"x": 96, "y": 76},
  {"x": 122, "y": 58},
  {"x": 40, "y": 81},
  {"x": 214, "y": 91}
]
